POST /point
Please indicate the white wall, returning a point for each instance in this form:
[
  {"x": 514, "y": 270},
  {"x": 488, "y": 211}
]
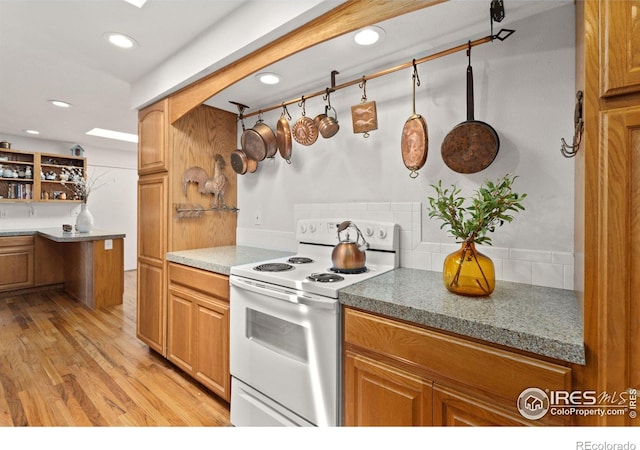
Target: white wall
[
  {"x": 114, "y": 206},
  {"x": 524, "y": 88}
]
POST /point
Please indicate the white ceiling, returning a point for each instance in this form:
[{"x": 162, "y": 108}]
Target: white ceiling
[{"x": 54, "y": 49}]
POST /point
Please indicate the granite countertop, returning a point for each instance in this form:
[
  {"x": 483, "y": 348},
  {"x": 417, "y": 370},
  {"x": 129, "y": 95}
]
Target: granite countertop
[
  {"x": 57, "y": 235},
  {"x": 540, "y": 320},
  {"x": 220, "y": 259}
]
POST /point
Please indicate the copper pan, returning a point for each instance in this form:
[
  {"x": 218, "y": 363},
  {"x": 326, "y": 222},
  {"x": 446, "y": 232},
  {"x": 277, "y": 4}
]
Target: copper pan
[
  {"x": 415, "y": 139},
  {"x": 259, "y": 142},
  {"x": 472, "y": 145},
  {"x": 283, "y": 135},
  {"x": 242, "y": 164}
]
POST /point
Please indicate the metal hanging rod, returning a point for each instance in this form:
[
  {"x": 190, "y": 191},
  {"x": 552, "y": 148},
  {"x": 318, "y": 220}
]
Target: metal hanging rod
[{"x": 503, "y": 34}]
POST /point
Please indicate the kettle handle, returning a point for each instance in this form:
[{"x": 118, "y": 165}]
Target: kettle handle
[{"x": 348, "y": 224}]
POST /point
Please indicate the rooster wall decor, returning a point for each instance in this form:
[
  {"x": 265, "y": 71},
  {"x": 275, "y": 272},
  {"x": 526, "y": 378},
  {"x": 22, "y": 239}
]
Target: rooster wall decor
[{"x": 215, "y": 186}]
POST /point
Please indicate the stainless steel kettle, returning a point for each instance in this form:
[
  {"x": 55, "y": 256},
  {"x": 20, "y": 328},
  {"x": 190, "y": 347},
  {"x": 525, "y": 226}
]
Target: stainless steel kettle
[{"x": 349, "y": 254}]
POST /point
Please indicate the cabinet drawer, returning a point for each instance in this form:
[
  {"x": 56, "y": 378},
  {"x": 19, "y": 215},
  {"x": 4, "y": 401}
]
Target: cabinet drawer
[
  {"x": 208, "y": 283},
  {"x": 494, "y": 371},
  {"x": 16, "y": 241}
]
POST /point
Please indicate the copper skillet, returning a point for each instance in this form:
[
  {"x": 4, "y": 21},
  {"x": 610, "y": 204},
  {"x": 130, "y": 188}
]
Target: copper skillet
[
  {"x": 472, "y": 145},
  {"x": 241, "y": 163},
  {"x": 415, "y": 139},
  {"x": 283, "y": 135}
]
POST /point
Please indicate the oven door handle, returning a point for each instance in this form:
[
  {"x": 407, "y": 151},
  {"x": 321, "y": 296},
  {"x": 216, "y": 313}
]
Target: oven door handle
[{"x": 309, "y": 300}]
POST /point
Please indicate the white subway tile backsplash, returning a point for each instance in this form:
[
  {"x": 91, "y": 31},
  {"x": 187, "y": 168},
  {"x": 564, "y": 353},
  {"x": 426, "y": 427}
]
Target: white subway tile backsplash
[
  {"x": 530, "y": 255},
  {"x": 568, "y": 272},
  {"x": 382, "y": 206},
  {"x": 406, "y": 244},
  {"x": 430, "y": 247},
  {"x": 437, "y": 261},
  {"x": 404, "y": 219},
  {"x": 422, "y": 260},
  {"x": 517, "y": 271},
  {"x": 544, "y": 268},
  {"x": 562, "y": 258},
  {"x": 550, "y": 275},
  {"x": 403, "y": 206},
  {"x": 494, "y": 252}
]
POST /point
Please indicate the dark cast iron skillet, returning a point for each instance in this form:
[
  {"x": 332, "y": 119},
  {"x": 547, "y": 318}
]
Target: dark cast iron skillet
[{"x": 472, "y": 145}]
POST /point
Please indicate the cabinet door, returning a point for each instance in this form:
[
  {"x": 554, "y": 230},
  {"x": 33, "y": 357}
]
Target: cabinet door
[
  {"x": 453, "y": 408},
  {"x": 180, "y": 329},
  {"x": 198, "y": 326},
  {"x": 620, "y": 56},
  {"x": 152, "y": 139},
  {"x": 620, "y": 326},
  {"x": 212, "y": 347},
  {"x": 152, "y": 280},
  {"x": 16, "y": 261},
  {"x": 377, "y": 394}
]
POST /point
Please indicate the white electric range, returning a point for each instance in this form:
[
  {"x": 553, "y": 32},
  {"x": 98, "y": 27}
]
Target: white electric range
[{"x": 285, "y": 326}]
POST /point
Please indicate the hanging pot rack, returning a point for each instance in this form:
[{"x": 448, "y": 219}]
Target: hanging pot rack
[{"x": 503, "y": 34}]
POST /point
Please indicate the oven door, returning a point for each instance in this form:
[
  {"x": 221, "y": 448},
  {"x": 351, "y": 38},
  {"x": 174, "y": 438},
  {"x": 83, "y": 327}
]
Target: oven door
[{"x": 285, "y": 345}]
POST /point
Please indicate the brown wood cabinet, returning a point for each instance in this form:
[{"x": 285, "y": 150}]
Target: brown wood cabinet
[
  {"x": 16, "y": 261},
  {"x": 607, "y": 226},
  {"x": 198, "y": 326},
  {"x": 379, "y": 394},
  {"x": 401, "y": 374},
  {"x": 152, "y": 247},
  {"x": 620, "y": 57},
  {"x": 166, "y": 151},
  {"x": 29, "y": 188}
]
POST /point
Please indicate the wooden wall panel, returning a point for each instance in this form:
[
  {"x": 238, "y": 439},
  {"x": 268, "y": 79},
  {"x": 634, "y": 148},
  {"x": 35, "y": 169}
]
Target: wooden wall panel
[{"x": 196, "y": 139}]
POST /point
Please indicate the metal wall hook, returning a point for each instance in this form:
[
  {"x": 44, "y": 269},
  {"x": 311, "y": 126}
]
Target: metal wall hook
[{"x": 569, "y": 151}]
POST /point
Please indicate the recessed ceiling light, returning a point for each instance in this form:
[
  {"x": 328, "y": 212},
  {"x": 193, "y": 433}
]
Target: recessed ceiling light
[
  {"x": 110, "y": 134},
  {"x": 60, "y": 103},
  {"x": 268, "y": 78},
  {"x": 120, "y": 40},
  {"x": 138, "y": 3},
  {"x": 32, "y": 131},
  {"x": 369, "y": 35}
]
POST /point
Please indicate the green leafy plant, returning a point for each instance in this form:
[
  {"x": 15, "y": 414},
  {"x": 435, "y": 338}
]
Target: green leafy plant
[{"x": 492, "y": 205}]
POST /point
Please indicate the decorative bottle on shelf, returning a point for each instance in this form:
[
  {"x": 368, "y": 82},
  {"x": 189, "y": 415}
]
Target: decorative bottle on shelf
[{"x": 84, "y": 221}]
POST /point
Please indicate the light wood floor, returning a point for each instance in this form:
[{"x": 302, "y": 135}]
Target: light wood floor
[{"x": 62, "y": 364}]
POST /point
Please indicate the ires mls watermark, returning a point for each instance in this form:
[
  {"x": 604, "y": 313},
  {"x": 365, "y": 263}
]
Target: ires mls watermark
[{"x": 534, "y": 403}]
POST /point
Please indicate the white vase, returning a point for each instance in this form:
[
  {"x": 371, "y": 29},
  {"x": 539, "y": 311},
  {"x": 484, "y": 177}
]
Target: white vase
[{"x": 84, "y": 221}]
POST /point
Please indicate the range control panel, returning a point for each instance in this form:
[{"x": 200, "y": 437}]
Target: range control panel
[{"x": 379, "y": 235}]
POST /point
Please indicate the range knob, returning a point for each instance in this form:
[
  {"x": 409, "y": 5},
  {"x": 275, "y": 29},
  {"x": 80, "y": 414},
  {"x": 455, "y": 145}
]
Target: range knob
[
  {"x": 369, "y": 231},
  {"x": 382, "y": 233},
  {"x": 312, "y": 228},
  {"x": 303, "y": 228}
]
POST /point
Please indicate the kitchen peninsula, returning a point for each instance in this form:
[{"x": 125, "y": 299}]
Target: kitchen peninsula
[{"x": 89, "y": 266}]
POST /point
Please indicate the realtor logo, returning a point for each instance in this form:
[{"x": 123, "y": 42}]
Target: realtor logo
[{"x": 533, "y": 403}]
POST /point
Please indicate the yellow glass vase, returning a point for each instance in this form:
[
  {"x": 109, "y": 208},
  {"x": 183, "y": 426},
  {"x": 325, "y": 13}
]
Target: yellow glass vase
[{"x": 469, "y": 272}]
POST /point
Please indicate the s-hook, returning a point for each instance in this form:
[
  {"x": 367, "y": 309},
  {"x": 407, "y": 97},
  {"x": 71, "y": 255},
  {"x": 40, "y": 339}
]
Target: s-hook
[
  {"x": 569, "y": 151},
  {"x": 363, "y": 86},
  {"x": 415, "y": 76},
  {"x": 285, "y": 111}
]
